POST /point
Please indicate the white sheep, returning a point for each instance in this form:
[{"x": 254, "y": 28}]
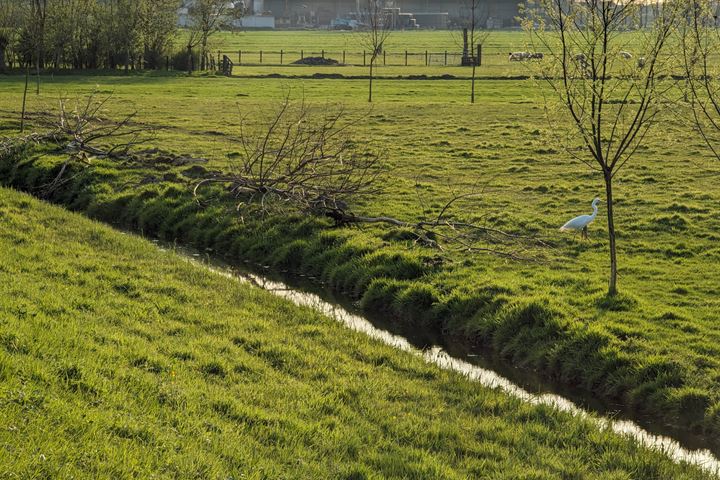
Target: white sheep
[{"x": 520, "y": 56}]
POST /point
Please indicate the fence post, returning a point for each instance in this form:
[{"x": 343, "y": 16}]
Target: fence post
[
  {"x": 426, "y": 58},
  {"x": 478, "y": 61},
  {"x": 219, "y": 58},
  {"x": 281, "y": 56},
  {"x": 239, "y": 57},
  {"x": 446, "y": 58},
  {"x": 383, "y": 57},
  {"x": 343, "y": 56},
  {"x": 260, "y": 56},
  {"x": 302, "y": 54},
  {"x": 363, "y": 58},
  {"x": 406, "y": 58}
]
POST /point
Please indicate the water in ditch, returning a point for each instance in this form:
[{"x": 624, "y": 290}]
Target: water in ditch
[{"x": 482, "y": 367}]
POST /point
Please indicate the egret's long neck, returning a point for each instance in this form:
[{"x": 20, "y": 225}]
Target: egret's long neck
[{"x": 595, "y": 210}]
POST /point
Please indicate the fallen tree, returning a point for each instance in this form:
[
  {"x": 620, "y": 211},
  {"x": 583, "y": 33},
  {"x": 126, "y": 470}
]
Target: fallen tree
[
  {"x": 79, "y": 130},
  {"x": 305, "y": 159}
]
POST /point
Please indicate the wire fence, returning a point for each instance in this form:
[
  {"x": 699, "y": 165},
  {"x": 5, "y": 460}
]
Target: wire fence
[
  {"x": 497, "y": 59},
  {"x": 404, "y": 58}
]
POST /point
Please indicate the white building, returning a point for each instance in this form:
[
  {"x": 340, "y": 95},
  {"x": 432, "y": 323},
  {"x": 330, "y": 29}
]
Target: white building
[{"x": 255, "y": 17}]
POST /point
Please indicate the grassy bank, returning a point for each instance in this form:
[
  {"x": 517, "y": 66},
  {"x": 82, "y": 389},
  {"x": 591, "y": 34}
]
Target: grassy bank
[
  {"x": 121, "y": 361},
  {"x": 657, "y": 349}
]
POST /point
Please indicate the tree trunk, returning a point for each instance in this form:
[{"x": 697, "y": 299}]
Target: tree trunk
[
  {"x": 37, "y": 72},
  {"x": 2, "y": 59},
  {"x": 189, "y": 60},
  {"x": 612, "y": 286},
  {"x": 371, "y": 81},
  {"x": 27, "y": 77},
  {"x": 203, "y": 55},
  {"x": 472, "y": 85}
]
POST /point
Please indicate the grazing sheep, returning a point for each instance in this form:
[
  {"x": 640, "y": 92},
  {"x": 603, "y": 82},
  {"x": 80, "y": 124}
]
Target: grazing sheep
[
  {"x": 625, "y": 55},
  {"x": 641, "y": 62},
  {"x": 522, "y": 56},
  {"x": 519, "y": 56}
]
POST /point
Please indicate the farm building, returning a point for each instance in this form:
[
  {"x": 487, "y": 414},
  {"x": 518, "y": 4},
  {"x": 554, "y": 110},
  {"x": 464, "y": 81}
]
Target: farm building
[
  {"x": 323, "y": 13},
  {"x": 429, "y": 14}
]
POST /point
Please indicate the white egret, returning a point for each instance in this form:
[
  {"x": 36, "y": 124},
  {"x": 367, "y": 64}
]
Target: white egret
[{"x": 580, "y": 224}]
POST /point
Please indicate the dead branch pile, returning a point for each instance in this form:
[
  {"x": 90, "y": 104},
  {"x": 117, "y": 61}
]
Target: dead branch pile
[
  {"x": 80, "y": 130},
  {"x": 301, "y": 161},
  {"x": 305, "y": 160},
  {"x": 88, "y": 132}
]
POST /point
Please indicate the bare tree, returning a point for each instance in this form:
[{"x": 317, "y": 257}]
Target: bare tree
[
  {"x": 602, "y": 100},
  {"x": 36, "y": 27},
  {"x": 206, "y": 17},
  {"x": 24, "y": 100},
  {"x": 377, "y": 25},
  {"x": 700, "y": 38},
  {"x": 473, "y": 16}
]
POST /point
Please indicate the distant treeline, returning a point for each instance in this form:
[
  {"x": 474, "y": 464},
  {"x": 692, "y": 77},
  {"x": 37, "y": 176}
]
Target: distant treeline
[{"x": 103, "y": 34}]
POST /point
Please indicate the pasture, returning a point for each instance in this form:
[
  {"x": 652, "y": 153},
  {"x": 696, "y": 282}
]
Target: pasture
[
  {"x": 656, "y": 347},
  {"x": 429, "y": 52},
  {"x": 312, "y": 43}
]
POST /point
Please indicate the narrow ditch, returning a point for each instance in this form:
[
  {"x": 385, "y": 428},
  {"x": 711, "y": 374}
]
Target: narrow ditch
[{"x": 482, "y": 367}]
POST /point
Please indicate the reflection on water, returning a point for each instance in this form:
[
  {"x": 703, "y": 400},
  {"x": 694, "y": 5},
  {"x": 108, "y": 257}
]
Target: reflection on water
[{"x": 486, "y": 377}]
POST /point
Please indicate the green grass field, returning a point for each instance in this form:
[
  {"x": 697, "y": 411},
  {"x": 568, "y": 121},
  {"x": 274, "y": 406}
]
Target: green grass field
[
  {"x": 429, "y": 52},
  {"x": 244, "y": 49},
  {"x": 656, "y": 350},
  {"x": 118, "y": 360}
]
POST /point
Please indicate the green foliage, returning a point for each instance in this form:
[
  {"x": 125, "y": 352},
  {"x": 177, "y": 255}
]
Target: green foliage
[{"x": 88, "y": 34}]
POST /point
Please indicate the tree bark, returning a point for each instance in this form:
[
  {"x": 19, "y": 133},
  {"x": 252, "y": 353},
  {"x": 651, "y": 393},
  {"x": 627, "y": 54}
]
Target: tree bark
[
  {"x": 22, "y": 118},
  {"x": 189, "y": 60},
  {"x": 472, "y": 85},
  {"x": 2, "y": 59},
  {"x": 371, "y": 81},
  {"x": 612, "y": 286},
  {"x": 37, "y": 73},
  {"x": 203, "y": 54}
]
